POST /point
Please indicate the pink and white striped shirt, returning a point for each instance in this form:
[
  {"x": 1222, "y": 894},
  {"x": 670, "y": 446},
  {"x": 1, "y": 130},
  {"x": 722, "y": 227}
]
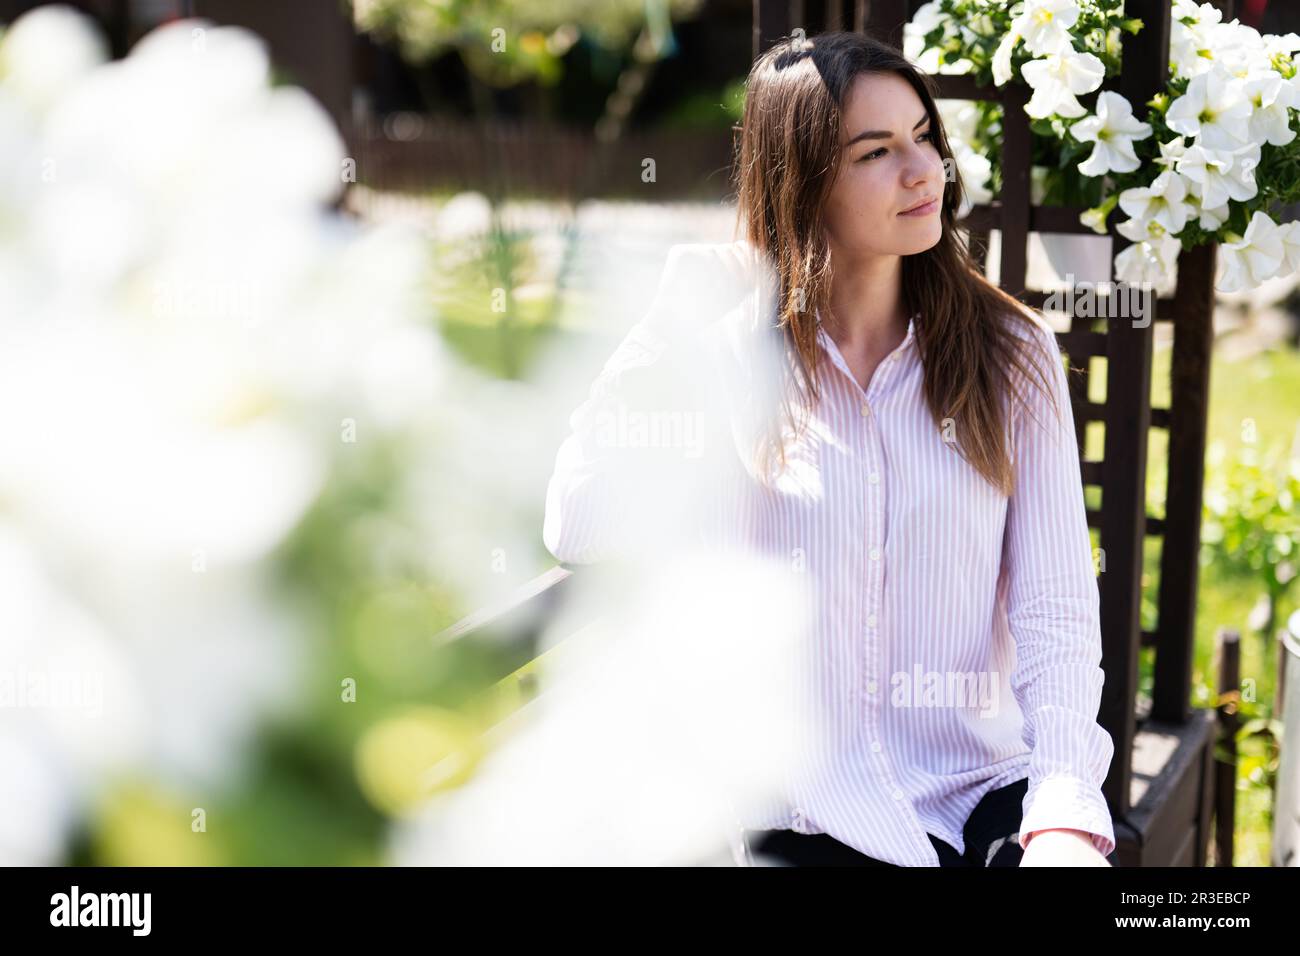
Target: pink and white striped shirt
[{"x": 957, "y": 641}]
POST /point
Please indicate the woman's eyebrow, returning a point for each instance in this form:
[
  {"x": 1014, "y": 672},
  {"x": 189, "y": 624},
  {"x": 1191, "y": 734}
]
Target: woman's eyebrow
[{"x": 881, "y": 133}]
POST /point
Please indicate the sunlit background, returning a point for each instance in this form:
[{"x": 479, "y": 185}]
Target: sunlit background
[{"x": 295, "y": 300}]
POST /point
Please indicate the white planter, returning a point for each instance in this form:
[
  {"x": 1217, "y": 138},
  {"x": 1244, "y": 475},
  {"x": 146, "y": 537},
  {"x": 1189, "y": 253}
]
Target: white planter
[
  {"x": 1071, "y": 259},
  {"x": 1052, "y": 257}
]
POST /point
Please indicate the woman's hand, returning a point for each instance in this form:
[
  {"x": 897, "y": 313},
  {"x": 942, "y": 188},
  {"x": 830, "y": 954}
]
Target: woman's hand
[{"x": 1062, "y": 848}]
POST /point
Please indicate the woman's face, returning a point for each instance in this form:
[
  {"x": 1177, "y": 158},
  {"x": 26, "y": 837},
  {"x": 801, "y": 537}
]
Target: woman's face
[{"x": 890, "y": 163}]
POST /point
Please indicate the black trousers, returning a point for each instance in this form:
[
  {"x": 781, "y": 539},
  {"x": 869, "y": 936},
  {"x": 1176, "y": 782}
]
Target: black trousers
[{"x": 991, "y": 835}]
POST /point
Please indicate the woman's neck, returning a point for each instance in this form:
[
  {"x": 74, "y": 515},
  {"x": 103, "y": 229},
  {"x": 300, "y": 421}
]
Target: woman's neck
[{"x": 866, "y": 305}]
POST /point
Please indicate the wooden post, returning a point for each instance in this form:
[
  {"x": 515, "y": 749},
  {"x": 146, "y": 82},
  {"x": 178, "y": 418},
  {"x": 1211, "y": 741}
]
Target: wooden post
[
  {"x": 1189, "y": 387},
  {"x": 1225, "y": 766}
]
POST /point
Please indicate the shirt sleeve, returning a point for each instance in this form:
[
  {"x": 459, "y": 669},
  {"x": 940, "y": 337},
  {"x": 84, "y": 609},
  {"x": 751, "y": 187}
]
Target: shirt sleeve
[
  {"x": 619, "y": 474},
  {"x": 1053, "y": 607}
]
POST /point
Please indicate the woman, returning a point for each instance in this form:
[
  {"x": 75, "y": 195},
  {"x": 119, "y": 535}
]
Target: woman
[{"x": 921, "y": 469}]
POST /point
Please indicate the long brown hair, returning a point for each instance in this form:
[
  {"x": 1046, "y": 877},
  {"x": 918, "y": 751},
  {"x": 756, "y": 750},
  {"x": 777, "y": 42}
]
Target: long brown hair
[{"x": 970, "y": 333}]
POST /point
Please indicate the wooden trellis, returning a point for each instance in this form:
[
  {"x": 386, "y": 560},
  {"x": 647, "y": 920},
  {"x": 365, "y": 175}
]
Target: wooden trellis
[{"x": 1160, "y": 786}]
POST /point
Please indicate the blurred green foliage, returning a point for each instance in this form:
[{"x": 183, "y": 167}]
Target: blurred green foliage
[{"x": 504, "y": 42}]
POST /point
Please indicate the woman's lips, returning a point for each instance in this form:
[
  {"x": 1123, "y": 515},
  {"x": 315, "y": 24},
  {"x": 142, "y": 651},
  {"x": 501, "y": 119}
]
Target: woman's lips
[{"x": 925, "y": 210}]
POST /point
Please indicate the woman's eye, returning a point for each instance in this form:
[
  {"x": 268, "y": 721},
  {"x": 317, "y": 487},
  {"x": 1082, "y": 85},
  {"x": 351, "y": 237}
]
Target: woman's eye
[{"x": 927, "y": 135}]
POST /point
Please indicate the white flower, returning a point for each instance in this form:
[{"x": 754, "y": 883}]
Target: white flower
[
  {"x": 1113, "y": 129},
  {"x": 1171, "y": 152},
  {"x": 976, "y": 173},
  {"x": 960, "y": 119},
  {"x": 1245, "y": 262},
  {"x": 1212, "y": 173},
  {"x": 1094, "y": 219},
  {"x": 1211, "y": 217},
  {"x": 1241, "y": 176},
  {"x": 927, "y": 17},
  {"x": 1271, "y": 98},
  {"x": 1045, "y": 25},
  {"x": 1151, "y": 261},
  {"x": 1057, "y": 79},
  {"x": 1192, "y": 46},
  {"x": 1190, "y": 8},
  {"x": 1002, "y": 57},
  {"x": 1284, "y": 45},
  {"x": 1289, "y": 232},
  {"x": 42, "y": 57},
  {"x": 1238, "y": 48},
  {"x": 1164, "y": 202},
  {"x": 1138, "y": 230},
  {"x": 1214, "y": 109}
]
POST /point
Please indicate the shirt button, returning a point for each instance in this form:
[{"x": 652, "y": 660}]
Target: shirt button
[
  {"x": 875, "y": 746},
  {"x": 875, "y": 554},
  {"x": 866, "y": 409},
  {"x": 898, "y": 794},
  {"x": 874, "y": 478},
  {"x": 871, "y": 620},
  {"x": 871, "y": 687}
]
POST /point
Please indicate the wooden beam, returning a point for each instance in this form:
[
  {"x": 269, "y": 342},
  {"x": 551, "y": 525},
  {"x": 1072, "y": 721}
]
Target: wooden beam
[
  {"x": 1188, "y": 419},
  {"x": 771, "y": 23}
]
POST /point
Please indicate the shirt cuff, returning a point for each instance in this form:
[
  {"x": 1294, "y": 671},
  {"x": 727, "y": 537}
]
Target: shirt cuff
[{"x": 1065, "y": 802}]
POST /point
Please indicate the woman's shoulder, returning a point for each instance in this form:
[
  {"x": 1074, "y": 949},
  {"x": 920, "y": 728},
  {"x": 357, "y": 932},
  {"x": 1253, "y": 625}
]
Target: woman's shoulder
[
  {"x": 1035, "y": 336},
  {"x": 1028, "y": 324}
]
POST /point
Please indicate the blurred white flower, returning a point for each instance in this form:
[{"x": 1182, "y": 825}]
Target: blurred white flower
[
  {"x": 466, "y": 215},
  {"x": 597, "y": 771},
  {"x": 960, "y": 119},
  {"x": 189, "y": 330},
  {"x": 977, "y": 176},
  {"x": 42, "y": 57},
  {"x": 35, "y": 814}
]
